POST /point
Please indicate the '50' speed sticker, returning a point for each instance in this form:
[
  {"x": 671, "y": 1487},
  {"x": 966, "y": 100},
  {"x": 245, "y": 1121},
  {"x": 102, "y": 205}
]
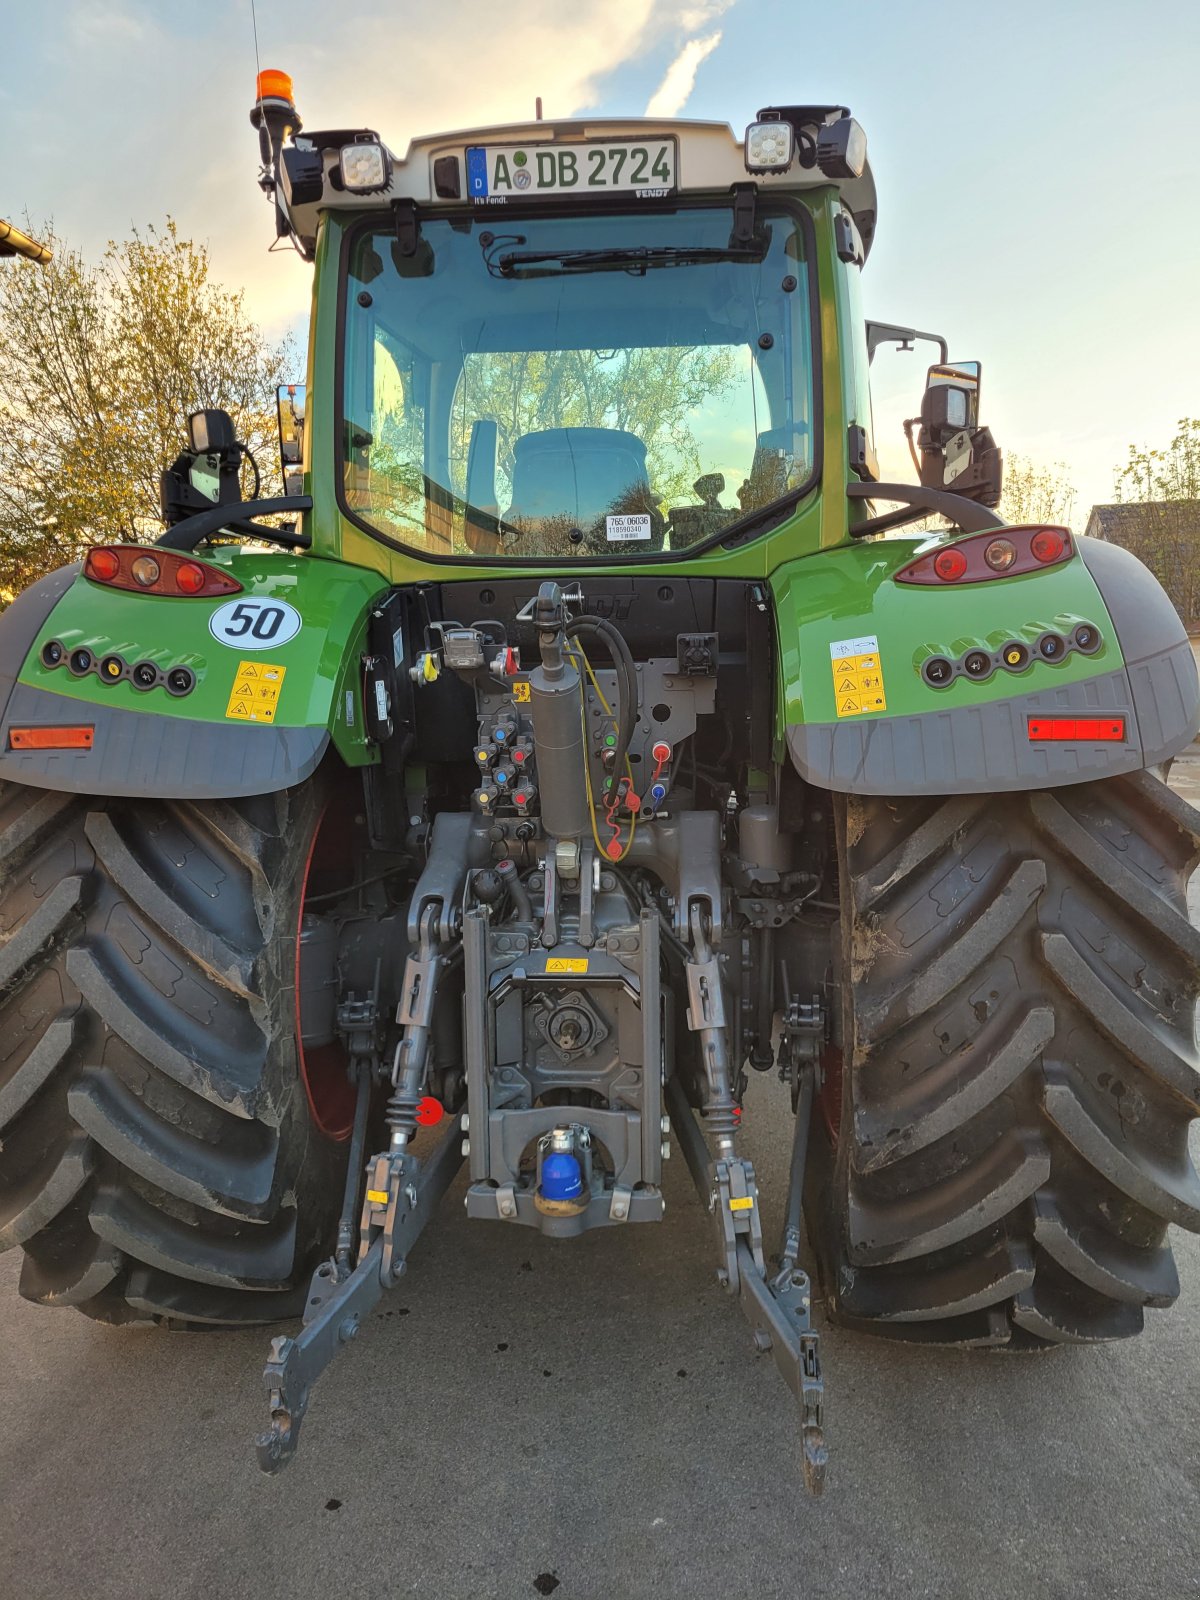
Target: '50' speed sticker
[{"x": 255, "y": 623}]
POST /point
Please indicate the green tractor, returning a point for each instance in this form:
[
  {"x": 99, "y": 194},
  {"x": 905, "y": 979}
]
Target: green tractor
[{"x": 574, "y": 737}]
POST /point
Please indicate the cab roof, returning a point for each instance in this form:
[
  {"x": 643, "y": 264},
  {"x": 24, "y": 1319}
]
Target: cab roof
[{"x": 710, "y": 158}]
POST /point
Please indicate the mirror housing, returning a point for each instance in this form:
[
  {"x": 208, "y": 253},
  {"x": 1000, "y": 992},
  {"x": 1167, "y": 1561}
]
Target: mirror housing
[
  {"x": 953, "y": 451},
  {"x": 211, "y": 433},
  {"x": 207, "y": 473}
]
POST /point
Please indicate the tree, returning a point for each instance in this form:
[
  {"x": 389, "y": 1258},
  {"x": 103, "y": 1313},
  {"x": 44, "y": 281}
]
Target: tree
[
  {"x": 1170, "y": 474},
  {"x": 99, "y": 365},
  {"x": 1161, "y": 492},
  {"x": 1036, "y": 493}
]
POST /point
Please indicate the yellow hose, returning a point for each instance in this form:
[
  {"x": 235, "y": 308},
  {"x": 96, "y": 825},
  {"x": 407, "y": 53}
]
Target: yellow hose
[{"x": 587, "y": 765}]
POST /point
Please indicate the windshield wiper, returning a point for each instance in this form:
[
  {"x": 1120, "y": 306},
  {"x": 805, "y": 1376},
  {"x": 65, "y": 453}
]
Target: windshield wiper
[{"x": 634, "y": 259}]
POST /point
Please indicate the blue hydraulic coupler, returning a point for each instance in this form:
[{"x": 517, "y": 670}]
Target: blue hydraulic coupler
[{"x": 561, "y": 1177}]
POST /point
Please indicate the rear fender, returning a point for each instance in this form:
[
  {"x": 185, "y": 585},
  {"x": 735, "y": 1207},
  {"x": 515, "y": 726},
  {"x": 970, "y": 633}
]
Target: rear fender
[
  {"x": 261, "y": 714},
  {"x": 859, "y": 717}
]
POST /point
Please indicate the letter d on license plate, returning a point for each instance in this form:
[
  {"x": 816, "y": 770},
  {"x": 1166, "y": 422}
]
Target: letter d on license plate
[{"x": 523, "y": 172}]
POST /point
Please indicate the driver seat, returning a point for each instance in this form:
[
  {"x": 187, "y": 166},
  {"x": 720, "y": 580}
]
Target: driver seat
[{"x": 566, "y": 479}]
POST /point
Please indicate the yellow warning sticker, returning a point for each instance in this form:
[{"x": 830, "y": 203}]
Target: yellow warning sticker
[
  {"x": 255, "y": 692},
  {"x": 567, "y": 964},
  {"x": 377, "y": 1197},
  {"x": 857, "y": 676},
  {"x": 743, "y": 1202},
  {"x": 520, "y": 690}
]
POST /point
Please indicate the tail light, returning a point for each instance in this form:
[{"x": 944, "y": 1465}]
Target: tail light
[
  {"x": 156, "y": 571},
  {"x": 983, "y": 557}
]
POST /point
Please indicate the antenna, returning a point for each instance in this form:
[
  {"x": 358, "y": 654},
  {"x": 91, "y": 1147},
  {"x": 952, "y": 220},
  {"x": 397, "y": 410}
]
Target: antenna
[{"x": 537, "y": 109}]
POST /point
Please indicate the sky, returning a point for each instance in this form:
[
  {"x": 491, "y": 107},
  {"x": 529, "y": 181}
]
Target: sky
[{"x": 1036, "y": 162}]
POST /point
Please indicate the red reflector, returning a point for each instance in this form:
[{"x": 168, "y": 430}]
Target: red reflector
[
  {"x": 51, "y": 738},
  {"x": 429, "y": 1111},
  {"x": 1094, "y": 729}
]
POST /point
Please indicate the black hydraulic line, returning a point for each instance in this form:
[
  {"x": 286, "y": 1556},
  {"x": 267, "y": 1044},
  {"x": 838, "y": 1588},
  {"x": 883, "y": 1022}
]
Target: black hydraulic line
[
  {"x": 510, "y": 877},
  {"x": 626, "y": 671}
]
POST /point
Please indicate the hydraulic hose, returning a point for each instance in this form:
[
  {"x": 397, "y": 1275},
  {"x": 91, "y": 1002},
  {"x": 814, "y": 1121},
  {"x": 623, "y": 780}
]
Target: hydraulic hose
[{"x": 627, "y": 691}]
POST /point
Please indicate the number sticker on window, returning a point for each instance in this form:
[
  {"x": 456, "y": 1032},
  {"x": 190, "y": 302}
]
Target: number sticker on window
[{"x": 255, "y": 623}]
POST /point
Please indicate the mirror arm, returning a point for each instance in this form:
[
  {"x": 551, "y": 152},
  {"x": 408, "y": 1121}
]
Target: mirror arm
[
  {"x": 968, "y": 515},
  {"x": 891, "y": 333},
  {"x": 188, "y": 533}
]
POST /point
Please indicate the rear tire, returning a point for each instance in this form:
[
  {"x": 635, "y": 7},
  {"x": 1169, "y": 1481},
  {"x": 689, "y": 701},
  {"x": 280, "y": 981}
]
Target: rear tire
[
  {"x": 158, "y": 1156},
  {"x": 1020, "y": 1064}
]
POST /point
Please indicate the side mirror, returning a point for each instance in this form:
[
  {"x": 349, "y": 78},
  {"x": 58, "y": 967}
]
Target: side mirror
[
  {"x": 956, "y": 453},
  {"x": 290, "y": 401}
]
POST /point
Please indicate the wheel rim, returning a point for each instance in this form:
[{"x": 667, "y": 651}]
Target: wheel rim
[
  {"x": 330, "y": 1094},
  {"x": 829, "y": 1100}
]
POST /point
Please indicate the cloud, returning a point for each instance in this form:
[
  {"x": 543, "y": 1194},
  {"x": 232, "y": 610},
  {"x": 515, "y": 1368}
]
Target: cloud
[
  {"x": 410, "y": 70},
  {"x": 672, "y": 94}
]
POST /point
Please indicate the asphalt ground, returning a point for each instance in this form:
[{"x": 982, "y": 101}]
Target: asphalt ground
[{"x": 589, "y": 1419}]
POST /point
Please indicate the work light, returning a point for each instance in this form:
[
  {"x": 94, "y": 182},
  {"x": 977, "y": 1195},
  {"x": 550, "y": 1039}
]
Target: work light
[
  {"x": 770, "y": 146},
  {"x": 365, "y": 168}
]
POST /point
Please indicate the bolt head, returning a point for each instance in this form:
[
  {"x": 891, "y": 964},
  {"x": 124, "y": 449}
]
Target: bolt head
[
  {"x": 466, "y": 1147},
  {"x": 664, "y": 1149},
  {"x": 466, "y": 1122}
]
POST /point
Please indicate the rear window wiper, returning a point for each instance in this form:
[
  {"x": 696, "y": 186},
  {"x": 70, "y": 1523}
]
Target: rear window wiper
[{"x": 636, "y": 259}]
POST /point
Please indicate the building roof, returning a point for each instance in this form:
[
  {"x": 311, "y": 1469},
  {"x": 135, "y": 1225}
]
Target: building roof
[{"x": 1121, "y": 524}]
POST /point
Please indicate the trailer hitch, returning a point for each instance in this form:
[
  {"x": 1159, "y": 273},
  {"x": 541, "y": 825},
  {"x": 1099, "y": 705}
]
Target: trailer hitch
[
  {"x": 336, "y": 1310},
  {"x": 778, "y": 1307}
]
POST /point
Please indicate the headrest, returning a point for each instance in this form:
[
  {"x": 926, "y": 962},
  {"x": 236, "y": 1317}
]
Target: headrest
[{"x": 574, "y": 477}]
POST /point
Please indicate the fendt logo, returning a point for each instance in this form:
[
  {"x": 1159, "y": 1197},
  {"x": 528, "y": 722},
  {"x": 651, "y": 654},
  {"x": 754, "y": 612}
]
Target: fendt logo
[{"x": 612, "y": 607}]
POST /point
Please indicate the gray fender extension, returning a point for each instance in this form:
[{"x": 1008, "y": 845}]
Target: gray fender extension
[
  {"x": 985, "y": 748},
  {"x": 136, "y": 753}
]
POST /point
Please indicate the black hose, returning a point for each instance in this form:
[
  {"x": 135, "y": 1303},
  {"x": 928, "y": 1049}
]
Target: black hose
[{"x": 627, "y": 690}]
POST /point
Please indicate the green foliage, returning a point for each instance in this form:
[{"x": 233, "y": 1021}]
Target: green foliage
[
  {"x": 1036, "y": 493},
  {"x": 648, "y": 392},
  {"x": 99, "y": 365},
  {"x": 1169, "y": 474}
]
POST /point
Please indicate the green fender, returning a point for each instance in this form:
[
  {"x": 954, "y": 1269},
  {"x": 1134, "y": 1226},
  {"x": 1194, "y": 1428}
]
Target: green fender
[
  {"x": 259, "y": 716},
  {"x": 859, "y": 717}
]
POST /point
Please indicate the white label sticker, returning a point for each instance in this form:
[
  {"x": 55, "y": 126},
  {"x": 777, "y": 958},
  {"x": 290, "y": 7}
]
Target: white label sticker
[
  {"x": 381, "y": 699},
  {"x": 840, "y": 648},
  {"x": 349, "y": 708},
  {"x": 398, "y": 646},
  {"x": 619, "y": 530},
  {"x": 255, "y": 623}
]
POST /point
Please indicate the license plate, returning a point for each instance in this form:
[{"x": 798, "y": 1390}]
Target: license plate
[{"x": 521, "y": 172}]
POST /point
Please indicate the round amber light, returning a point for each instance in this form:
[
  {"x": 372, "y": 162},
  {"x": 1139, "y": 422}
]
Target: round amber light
[
  {"x": 950, "y": 564},
  {"x": 1000, "y": 554},
  {"x": 103, "y": 564},
  {"x": 189, "y": 577},
  {"x": 1047, "y": 545},
  {"x": 145, "y": 571}
]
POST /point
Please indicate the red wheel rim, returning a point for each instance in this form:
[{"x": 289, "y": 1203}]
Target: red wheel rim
[
  {"x": 330, "y": 1094},
  {"x": 829, "y": 1102}
]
